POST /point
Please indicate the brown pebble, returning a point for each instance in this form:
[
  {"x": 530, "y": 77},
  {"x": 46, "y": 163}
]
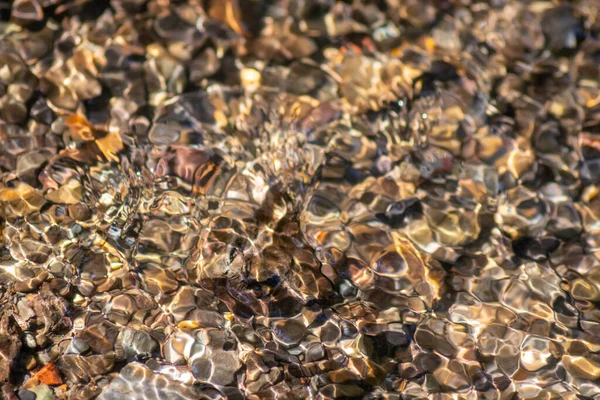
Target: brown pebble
[{"x": 30, "y": 363}]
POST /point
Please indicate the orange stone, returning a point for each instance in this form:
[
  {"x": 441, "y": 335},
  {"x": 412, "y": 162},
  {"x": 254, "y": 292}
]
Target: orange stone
[
  {"x": 80, "y": 127},
  {"x": 49, "y": 375}
]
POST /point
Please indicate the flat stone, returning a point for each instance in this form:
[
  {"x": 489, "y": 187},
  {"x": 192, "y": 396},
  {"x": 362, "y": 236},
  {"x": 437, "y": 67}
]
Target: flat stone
[{"x": 136, "y": 381}]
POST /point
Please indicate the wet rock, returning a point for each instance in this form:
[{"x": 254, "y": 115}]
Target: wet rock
[
  {"x": 27, "y": 11},
  {"x": 135, "y": 380},
  {"x": 581, "y": 367},
  {"x": 25, "y": 394},
  {"x": 10, "y": 345},
  {"x": 43, "y": 392},
  {"x": 49, "y": 375},
  {"x": 82, "y": 368},
  {"x": 132, "y": 343},
  {"x": 563, "y": 29},
  {"x": 522, "y": 212}
]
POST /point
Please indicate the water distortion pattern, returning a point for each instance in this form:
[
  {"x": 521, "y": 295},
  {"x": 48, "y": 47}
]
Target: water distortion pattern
[{"x": 310, "y": 199}]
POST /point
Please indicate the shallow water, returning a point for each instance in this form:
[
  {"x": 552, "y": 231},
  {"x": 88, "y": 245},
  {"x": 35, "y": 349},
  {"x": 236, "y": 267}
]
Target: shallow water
[{"x": 299, "y": 199}]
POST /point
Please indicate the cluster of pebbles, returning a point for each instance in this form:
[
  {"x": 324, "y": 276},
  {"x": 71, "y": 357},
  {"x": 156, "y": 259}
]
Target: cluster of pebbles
[{"x": 391, "y": 199}]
